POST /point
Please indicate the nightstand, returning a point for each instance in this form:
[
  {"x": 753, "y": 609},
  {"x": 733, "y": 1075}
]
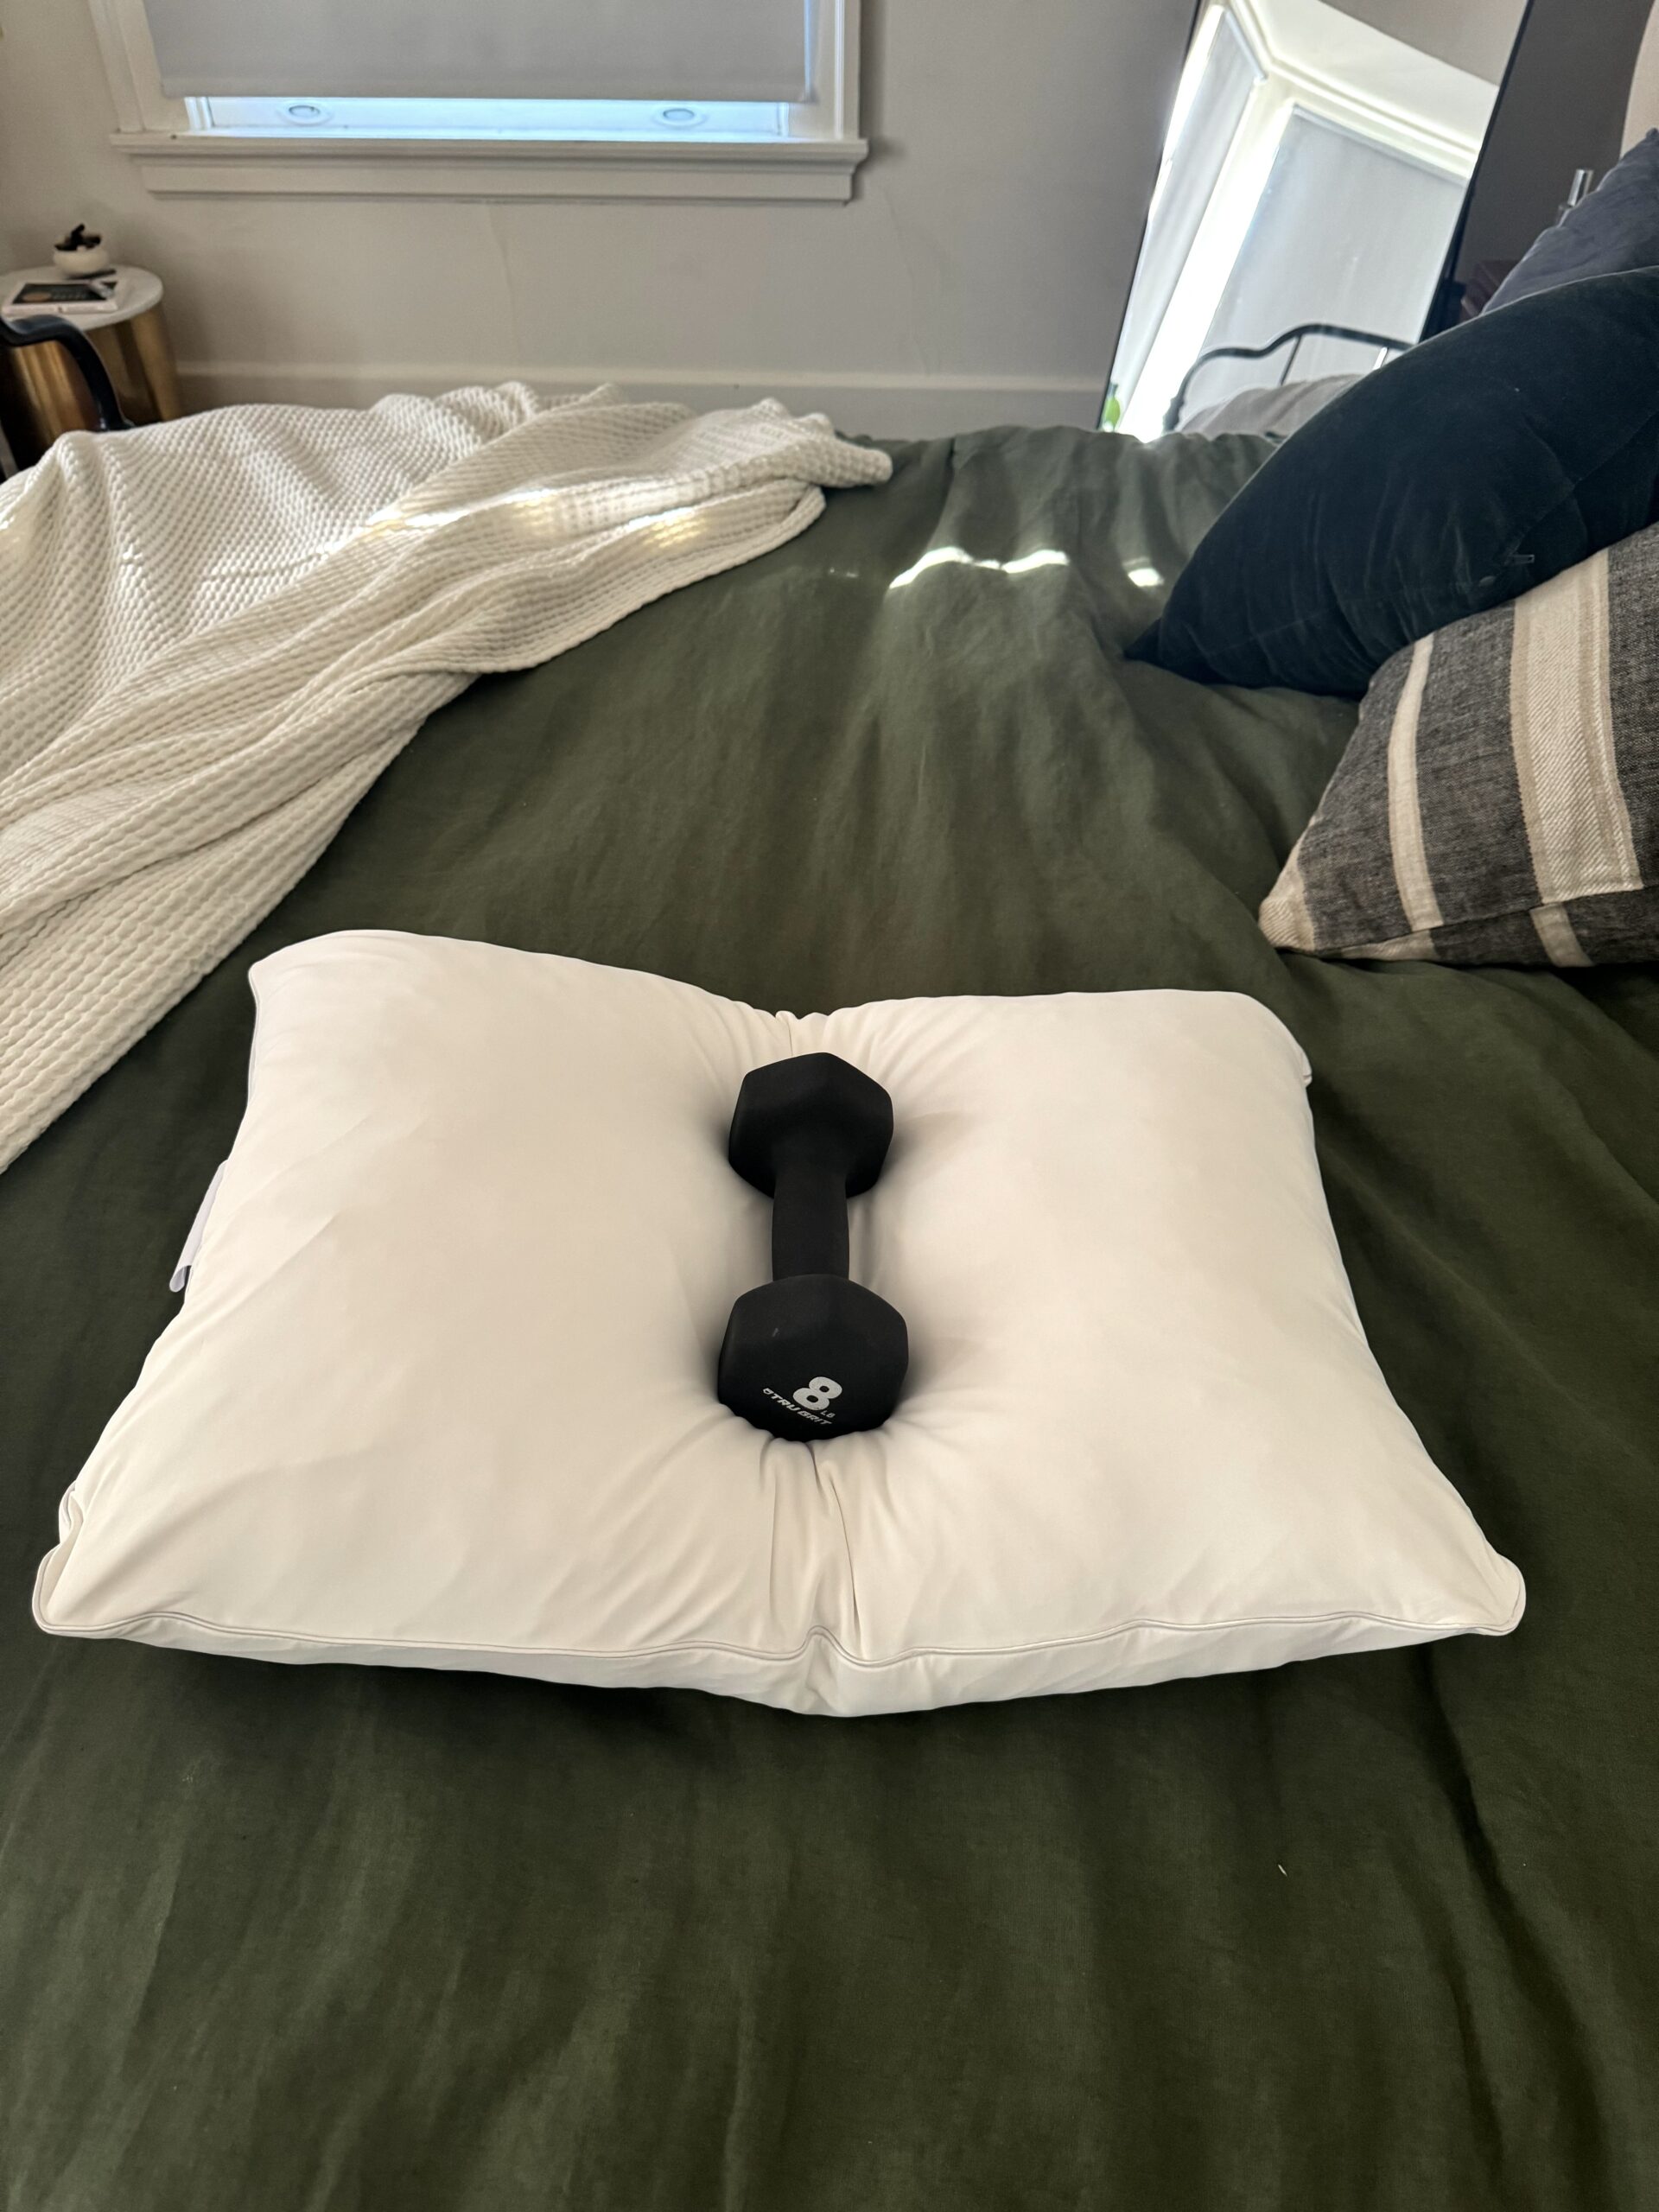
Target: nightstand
[{"x": 42, "y": 394}]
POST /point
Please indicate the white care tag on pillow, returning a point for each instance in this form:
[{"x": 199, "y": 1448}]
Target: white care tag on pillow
[{"x": 187, "y": 1259}]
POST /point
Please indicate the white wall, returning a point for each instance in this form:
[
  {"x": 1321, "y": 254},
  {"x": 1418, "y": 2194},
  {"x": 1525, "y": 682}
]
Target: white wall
[{"x": 978, "y": 275}]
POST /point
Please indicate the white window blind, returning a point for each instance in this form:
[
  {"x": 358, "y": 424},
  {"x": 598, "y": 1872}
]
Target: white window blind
[{"x": 479, "y": 49}]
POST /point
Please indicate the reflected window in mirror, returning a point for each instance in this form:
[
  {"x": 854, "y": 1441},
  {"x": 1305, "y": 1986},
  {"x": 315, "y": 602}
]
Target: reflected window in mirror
[{"x": 1314, "y": 173}]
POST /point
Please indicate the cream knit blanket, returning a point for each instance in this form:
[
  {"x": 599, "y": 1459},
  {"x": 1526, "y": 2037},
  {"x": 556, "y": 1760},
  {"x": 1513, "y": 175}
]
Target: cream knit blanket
[{"x": 215, "y": 635}]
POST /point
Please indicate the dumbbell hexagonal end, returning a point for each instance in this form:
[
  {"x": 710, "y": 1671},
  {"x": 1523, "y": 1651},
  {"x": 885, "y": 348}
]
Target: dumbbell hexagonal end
[
  {"x": 813, "y": 1356},
  {"x": 818, "y": 1091}
]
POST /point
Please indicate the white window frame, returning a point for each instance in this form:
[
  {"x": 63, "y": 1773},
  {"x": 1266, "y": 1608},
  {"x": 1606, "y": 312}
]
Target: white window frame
[{"x": 179, "y": 148}]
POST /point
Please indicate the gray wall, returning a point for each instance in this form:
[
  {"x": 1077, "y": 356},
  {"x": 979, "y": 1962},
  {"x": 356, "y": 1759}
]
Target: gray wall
[
  {"x": 1472, "y": 34},
  {"x": 978, "y": 275}
]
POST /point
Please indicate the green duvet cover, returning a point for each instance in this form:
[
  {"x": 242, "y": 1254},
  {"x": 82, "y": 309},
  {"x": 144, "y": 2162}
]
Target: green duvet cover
[{"x": 1377, "y": 1932}]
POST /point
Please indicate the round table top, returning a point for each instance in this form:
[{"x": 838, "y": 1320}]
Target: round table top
[{"x": 136, "y": 291}]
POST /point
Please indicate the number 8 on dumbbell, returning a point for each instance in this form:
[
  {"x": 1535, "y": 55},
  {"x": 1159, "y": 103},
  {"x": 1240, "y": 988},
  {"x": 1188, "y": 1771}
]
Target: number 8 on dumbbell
[{"x": 811, "y": 1133}]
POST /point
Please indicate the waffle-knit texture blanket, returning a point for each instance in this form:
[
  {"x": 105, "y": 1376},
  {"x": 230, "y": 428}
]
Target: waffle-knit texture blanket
[{"x": 215, "y": 634}]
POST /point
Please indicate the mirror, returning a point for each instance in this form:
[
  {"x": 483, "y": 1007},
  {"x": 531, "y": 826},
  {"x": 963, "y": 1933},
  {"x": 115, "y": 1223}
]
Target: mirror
[{"x": 1314, "y": 173}]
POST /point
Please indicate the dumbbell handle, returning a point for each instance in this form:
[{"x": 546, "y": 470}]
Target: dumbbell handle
[{"x": 809, "y": 1209}]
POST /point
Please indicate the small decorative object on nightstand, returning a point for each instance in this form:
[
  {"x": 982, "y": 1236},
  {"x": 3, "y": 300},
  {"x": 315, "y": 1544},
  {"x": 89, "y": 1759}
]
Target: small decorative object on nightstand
[
  {"x": 83, "y": 253},
  {"x": 119, "y": 310}
]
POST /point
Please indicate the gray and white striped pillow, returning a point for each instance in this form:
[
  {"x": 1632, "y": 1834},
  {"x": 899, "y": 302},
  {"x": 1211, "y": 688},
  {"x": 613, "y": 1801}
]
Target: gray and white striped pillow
[{"x": 1499, "y": 800}]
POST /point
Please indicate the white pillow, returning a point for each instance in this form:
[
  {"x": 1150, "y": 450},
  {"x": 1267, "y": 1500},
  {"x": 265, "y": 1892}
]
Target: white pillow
[{"x": 440, "y": 1393}]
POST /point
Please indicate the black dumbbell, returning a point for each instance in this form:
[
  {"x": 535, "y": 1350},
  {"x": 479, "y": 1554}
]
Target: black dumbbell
[{"x": 809, "y": 1354}]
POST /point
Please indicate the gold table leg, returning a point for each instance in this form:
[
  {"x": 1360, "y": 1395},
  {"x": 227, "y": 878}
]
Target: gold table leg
[
  {"x": 154, "y": 348},
  {"x": 47, "y": 396}
]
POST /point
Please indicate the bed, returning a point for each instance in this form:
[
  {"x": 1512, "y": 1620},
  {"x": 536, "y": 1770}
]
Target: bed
[{"x": 1369, "y": 1932}]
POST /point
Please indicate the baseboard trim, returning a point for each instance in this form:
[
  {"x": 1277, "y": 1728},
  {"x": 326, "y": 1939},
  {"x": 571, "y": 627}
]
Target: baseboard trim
[{"x": 876, "y": 404}]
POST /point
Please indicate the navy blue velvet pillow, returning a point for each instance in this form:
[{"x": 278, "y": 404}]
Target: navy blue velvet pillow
[{"x": 1458, "y": 477}]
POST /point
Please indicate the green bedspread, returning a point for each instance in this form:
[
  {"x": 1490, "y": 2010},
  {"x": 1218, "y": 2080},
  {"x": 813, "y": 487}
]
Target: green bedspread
[{"x": 1370, "y": 1932}]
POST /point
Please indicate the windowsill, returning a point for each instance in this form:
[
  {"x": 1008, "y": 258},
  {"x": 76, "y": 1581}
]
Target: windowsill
[{"x": 355, "y": 166}]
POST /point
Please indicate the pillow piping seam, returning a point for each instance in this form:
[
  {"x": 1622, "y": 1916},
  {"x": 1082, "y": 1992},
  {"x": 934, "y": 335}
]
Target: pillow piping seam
[{"x": 814, "y": 1635}]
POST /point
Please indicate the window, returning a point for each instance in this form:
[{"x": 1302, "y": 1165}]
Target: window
[
  {"x": 1313, "y": 171},
  {"x": 1346, "y": 231},
  {"x": 1221, "y": 75},
  {"x": 498, "y": 99}
]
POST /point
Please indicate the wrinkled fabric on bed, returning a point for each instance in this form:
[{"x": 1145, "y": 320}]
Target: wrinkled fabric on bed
[
  {"x": 1367, "y": 1932},
  {"x": 219, "y": 631}
]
